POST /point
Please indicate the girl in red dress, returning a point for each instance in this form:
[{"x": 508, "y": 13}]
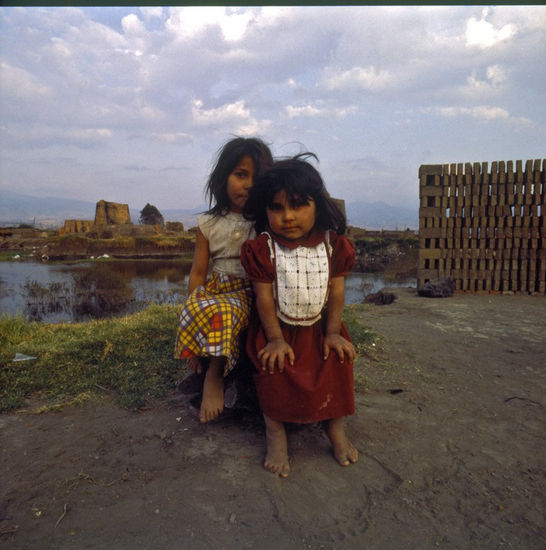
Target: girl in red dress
[{"x": 296, "y": 340}]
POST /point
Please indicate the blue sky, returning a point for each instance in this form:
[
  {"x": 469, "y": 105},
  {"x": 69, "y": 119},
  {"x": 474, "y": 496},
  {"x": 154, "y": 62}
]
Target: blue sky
[{"x": 131, "y": 104}]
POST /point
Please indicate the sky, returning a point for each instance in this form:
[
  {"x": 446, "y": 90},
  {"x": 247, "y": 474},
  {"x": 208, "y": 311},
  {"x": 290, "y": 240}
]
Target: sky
[{"x": 132, "y": 104}]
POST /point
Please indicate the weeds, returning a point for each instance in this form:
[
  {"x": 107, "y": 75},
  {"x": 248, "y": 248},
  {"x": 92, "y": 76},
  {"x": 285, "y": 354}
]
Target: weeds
[
  {"x": 100, "y": 291},
  {"x": 130, "y": 356},
  {"x": 365, "y": 342},
  {"x": 94, "y": 293}
]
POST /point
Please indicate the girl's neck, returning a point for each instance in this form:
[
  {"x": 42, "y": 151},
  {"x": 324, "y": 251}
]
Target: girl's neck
[
  {"x": 312, "y": 238},
  {"x": 223, "y": 213}
]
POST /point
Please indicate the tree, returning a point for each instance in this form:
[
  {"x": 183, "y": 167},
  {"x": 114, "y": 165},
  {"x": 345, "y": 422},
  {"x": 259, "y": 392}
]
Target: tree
[{"x": 150, "y": 215}]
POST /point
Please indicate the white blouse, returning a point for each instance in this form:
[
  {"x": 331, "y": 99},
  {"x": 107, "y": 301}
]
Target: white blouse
[{"x": 225, "y": 235}]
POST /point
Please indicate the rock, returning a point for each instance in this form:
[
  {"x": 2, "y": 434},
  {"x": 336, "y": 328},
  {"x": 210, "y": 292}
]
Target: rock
[
  {"x": 438, "y": 288},
  {"x": 380, "y": 298}
]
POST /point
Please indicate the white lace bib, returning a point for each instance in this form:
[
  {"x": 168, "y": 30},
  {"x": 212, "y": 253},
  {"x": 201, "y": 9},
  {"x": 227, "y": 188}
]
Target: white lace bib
[{"x": 301, "y": 282}]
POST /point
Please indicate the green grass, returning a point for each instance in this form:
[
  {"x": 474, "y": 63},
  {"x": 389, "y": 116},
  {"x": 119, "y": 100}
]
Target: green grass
[
  {"x": 365, "y": 342},
  {"x": 129, "y": 356}
]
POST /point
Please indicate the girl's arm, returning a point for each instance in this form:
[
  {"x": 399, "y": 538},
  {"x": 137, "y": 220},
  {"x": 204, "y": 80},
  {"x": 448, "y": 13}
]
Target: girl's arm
[
  {"x": 333, "y": 339},
  {"x": 198, "y": 277},
  {"x": 276, "y": 349},
  {"x": 200, "y": 265}
]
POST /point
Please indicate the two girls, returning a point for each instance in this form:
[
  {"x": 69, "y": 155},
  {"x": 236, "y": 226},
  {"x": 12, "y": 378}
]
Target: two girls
[
  {"x": 218, "y": 306},
  {"x": 297, "y": 341}
]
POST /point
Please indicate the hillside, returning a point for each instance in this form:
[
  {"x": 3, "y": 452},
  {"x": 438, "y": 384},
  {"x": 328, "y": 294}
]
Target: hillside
[
  {"x": 380, "y": 215},
  {"x": 16, "y": 208}
]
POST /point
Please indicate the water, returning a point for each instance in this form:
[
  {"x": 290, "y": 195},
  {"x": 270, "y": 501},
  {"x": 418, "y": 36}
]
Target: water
[
  {"x": 359, "y": 285},
  {"x": 132, "y": 284},
  {"x": 138, "y": 283}
]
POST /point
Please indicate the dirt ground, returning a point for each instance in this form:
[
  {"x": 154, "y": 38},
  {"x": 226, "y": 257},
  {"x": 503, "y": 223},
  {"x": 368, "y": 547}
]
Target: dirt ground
[{"x": 450, "y": 434}]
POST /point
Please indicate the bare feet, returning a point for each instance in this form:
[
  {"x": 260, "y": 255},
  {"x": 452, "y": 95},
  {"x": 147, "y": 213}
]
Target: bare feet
[
  {"x": 212, "y": 403},
  {"x": 194, "y": 364},
  {"x": 276, "y": 457},
  {"x": 344, "y": 451}
]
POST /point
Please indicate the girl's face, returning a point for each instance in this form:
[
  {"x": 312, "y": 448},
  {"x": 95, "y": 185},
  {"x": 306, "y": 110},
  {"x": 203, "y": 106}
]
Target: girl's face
[
  {"x": 293, "y": 222},
  {"x": 239, "y": 182}
]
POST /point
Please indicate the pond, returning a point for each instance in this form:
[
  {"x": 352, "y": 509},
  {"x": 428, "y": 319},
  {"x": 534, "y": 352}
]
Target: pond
[{"x": 65, "y": 292}]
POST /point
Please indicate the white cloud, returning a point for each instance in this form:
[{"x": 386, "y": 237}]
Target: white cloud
[
  {"x": 312, "y": 111},
  {"x": 151, "y": 12},
  {"x": 189, "y": 21},
  {"x": 359, "y": 78},
  {"x": 18, "y": 83},
  {"x": 173, "y": 137},
  {"x": 484, "y": 34},
  {"x": 115, "y": 85},
  {"x": 131, "y": 24},
  {"x": 489, "y": 113},
  {"x": 219, "y": 115},
  {"x": 304, "y": 110},
  {"x": 493, "y": 80},
  {"x": 480, "y": 112},
  {"x": 496, "y": 74},
  {"x": 230, "y": 118}
]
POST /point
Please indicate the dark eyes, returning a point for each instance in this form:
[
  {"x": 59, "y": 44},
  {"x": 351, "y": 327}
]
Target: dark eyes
[{"x": 276, "y": 207}]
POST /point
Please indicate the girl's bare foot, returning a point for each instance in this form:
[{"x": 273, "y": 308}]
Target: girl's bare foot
[
  {"x": 344, "y": 451},
  {"x": 212, "y": 403},
  {"x": 194, "y": 364},
  {"x": 276, "y": 457}
]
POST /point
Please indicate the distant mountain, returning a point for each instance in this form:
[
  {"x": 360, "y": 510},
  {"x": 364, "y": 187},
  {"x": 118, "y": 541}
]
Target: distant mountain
[
  {"x": 16, "y": 208},
  {"x": 19, "y": 208},
  {"x": 380, "y": 215},
  {"x": 187, "y": 217}
]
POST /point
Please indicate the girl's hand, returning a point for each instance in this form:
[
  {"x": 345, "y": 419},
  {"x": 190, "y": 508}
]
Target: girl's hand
[
  {"x": 340, "y": 345},
  {"x": 274, "y": 353}
]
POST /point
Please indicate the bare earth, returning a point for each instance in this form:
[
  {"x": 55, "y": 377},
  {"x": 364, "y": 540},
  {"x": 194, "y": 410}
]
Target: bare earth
[{"x": 454, "y": 460}]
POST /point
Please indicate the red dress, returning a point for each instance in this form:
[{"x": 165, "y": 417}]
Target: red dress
[{"x": 311, "y": 389}]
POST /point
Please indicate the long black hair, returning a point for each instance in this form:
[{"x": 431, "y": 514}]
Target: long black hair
[
  {"x": 227, "y": 159},
  {"x": 300, "y": 181}
]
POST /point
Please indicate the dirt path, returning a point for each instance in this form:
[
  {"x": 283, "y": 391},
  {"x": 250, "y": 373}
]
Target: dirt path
[{"x": 451, "y": 435}]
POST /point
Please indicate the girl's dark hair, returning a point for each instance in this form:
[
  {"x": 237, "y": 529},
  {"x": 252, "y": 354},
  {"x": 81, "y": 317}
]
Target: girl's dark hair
[
  {"x": 228, "y": 157},
  {"x": 301, "y": 182}
]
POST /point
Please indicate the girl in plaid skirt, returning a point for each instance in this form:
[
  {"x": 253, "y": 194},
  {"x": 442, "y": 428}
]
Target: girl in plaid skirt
[{"x": 218, "y": 306}]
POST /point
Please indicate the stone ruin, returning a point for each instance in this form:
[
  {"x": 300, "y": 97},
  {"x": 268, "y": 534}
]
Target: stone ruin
[
  {"x": 112, "y": 213},
  {"x": 76, "y": 226},
  {"x": 113, "y": 219},
  {"x": 106, "y": 214}
]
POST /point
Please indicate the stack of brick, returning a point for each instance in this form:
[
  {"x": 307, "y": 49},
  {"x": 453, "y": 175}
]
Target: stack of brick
[{"x": 485, "y": 229}]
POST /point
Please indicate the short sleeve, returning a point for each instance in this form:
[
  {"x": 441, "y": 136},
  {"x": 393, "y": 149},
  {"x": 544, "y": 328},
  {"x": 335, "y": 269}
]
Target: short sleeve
[
  {"x": 205, "y": 222},
  {"x": 343, "y": 255},
  {"x": 256, "y": 260}
]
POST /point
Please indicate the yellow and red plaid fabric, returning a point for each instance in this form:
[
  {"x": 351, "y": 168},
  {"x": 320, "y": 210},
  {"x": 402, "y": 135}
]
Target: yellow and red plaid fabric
[{"x": 212, "y": 319}]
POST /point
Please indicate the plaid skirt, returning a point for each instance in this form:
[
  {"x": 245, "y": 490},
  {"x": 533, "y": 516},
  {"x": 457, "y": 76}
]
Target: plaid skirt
[{"x": 213, "y": 318}]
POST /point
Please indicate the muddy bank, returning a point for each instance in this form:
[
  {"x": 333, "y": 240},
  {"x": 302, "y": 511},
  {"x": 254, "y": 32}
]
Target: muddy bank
[{"x": 450, "y": 431}]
